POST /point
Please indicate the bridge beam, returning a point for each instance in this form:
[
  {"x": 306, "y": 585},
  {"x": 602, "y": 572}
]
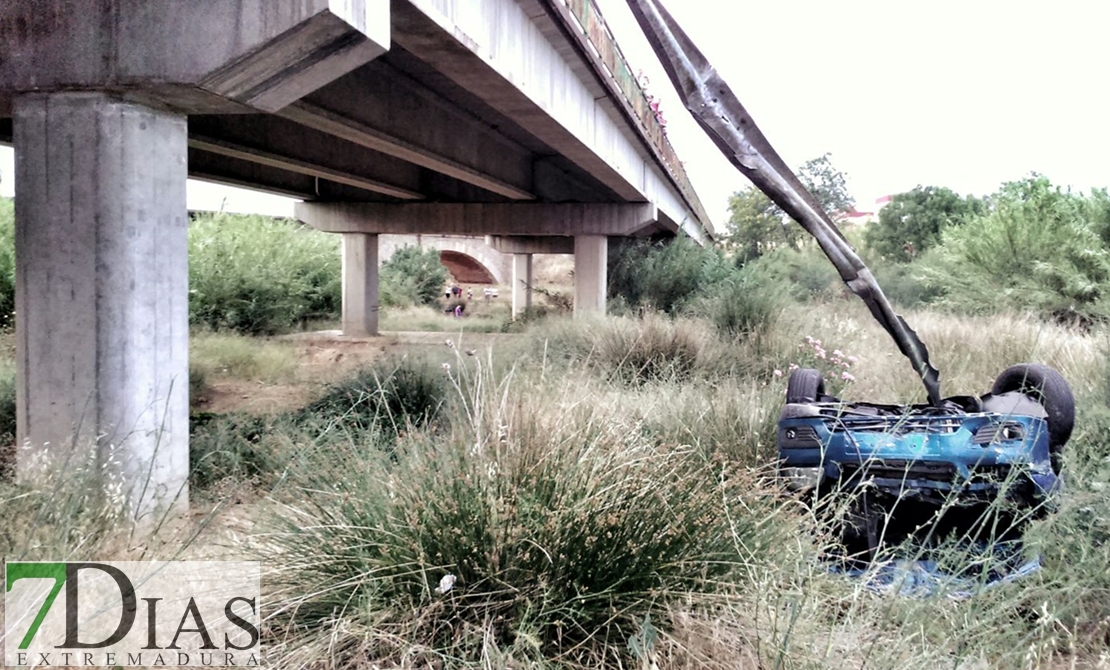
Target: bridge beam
[
  {"x": 102, "y": 325},
  {"x": 560, "y": 219},
  {"x": 360, "y": 284},
  {"x": 591, "y": 254},
  {"x": 531, "y": 244}
]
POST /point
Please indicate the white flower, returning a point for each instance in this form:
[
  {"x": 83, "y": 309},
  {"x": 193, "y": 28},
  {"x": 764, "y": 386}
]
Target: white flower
[
  {"x": 446, "y": 583},
  {"x": 447, "y": 367},
  {"x": 449, "y": 343},
  {"x": 778, "y": 373}
]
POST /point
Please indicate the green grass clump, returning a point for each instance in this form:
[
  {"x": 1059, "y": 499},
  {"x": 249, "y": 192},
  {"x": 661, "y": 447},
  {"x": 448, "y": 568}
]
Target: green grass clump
[
  {"x": 567, "y": 533},
  {"x": 259, "y": 276},
  {"x": 237, "y": 447},
  {"x": 392, "y": 394},
  {"x": 633, "y": 350}
]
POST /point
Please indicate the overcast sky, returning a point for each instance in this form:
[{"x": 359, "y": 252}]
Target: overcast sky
[{"x": 958, "y": 93}]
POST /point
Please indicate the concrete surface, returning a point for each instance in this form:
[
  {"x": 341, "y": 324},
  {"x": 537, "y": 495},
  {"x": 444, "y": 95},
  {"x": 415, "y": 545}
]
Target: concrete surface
[
  {"x": 360, "y": 284},
  {"x": 102, "y": 324},
  {"x": 522, "y": 283},
  {"x": 591, "y": 274}
]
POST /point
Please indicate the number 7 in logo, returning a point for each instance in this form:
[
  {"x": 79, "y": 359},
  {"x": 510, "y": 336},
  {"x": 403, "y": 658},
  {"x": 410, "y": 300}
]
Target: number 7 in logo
[{"x": 55, "y": 571}]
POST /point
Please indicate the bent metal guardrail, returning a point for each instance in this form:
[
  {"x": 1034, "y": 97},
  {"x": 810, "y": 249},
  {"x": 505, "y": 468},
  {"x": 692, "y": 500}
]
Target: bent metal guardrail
[{"x": 722, "y": 117}]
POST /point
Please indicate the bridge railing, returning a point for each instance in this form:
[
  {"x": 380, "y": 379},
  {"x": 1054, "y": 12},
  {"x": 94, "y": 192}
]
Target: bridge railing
[{"x": 588, "y": 25}]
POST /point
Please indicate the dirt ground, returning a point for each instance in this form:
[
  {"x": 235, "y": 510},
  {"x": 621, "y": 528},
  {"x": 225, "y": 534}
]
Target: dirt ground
[{"x": 323, "y": 358}]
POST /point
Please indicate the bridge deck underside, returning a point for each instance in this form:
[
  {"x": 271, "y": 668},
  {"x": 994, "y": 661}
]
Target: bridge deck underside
[{"x": 406, "y": 127}]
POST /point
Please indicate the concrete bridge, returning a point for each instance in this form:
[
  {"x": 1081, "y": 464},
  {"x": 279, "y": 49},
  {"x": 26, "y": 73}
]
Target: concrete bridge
[
  {"x": 469, "y": 259},
  {"x": 516, "y": 119}
]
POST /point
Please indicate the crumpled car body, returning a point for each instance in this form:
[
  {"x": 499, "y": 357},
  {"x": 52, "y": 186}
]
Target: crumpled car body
[{"x": 968, "y": 450}]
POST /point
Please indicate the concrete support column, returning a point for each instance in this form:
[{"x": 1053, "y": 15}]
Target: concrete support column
[
  {"x": 590, "y": 273},
  {"x": 102, "y": 319},
  {"x": 360, "y": 284},
  {"x": 522, "y": 283}
]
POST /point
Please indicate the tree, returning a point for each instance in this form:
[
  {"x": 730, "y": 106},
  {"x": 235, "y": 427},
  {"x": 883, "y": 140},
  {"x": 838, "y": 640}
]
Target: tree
[
  {"x": 412, "y": 276},
  {"x": 1038, "y": 248},
  {"x": 828, "y": 184},
  {"x": 914, "y": 221},
  {"x": 757, "y": 226}
]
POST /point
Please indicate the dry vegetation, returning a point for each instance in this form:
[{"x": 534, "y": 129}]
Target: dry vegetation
[{"x": 601, "y": 492}]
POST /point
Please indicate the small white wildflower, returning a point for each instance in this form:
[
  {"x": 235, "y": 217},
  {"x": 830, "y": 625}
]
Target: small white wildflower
[
  {"x": 446, "y": 583},
  {"x": 449, "y": 344},
  {"x": 853, "y": 359},
  {"x": 447, "y": 367},
  {"x": 778, "y": 373},
  {"x": 847, "y": 377}
]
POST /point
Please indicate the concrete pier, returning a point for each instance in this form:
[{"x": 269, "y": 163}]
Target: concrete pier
[
  {"x": 102, "y": 328},
  {"x": 590, "y": 274},
  {"x": 522, "y": 284},
  {"x": 360, "y": 284}
]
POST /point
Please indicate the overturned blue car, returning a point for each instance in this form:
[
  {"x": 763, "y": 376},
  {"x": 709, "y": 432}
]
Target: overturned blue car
[{"x": 967, "y": 449}]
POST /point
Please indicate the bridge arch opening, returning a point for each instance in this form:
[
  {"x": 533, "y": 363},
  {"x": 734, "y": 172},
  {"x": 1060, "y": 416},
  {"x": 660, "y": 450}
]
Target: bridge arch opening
[{"x": 466, "y": 269}]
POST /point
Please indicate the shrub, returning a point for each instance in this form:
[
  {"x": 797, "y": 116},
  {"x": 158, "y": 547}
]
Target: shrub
[
  {"x": 233, "y": 446},
  {"x": 806, "y": 274},
  {"x": 634, "y": 350},
  {"x": 391, "y": 394},
  {"x": 258, "y": 275},
  {"x": 742, "y": 305},
  {"x": 664, "y": 276},
  {"x": 412, "y": 276},
  {"x": 1039, "y": 249},
  {"x": 540, "y": 528},
  {"x": 903, "y": 284}
]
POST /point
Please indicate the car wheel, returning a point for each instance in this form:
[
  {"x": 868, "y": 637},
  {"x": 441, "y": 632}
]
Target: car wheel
[
  {"x": 1049, "y": 388},
  {"x": 804, "y": 385}
]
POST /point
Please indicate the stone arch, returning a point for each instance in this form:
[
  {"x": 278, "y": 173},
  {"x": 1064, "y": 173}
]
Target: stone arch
[
  {"x": 465, "y": 268},
  {"x": 469, "y": 259}
]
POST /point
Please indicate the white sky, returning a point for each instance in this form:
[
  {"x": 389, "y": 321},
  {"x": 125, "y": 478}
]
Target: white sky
[{"x": 958, "y": 93}]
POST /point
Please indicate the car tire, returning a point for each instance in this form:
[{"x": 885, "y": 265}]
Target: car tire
[
  {"x": 804, "y": 385},
  {"x": 1048, "y": 387}
]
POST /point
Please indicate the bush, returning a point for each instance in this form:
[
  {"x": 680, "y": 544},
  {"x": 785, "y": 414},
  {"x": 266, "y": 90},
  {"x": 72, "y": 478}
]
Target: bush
[
  {"x": 635, "y": 350},
  {"x": 412, "y": 276},
  {"x": 259, "y": 276},
  {"x": 540, "y": 528},
  {"x": 903, "y": 284},
  {"x": 391, "y": 394},
  {"x": 239, "y": 447},
  {"x": 664, "y": 276},
  {"x": 1039, "y": 249},
  {"x": 806, "y": 273},
  {"x": 7, "y": 419},
  {"x": 743, "y": 305}
]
